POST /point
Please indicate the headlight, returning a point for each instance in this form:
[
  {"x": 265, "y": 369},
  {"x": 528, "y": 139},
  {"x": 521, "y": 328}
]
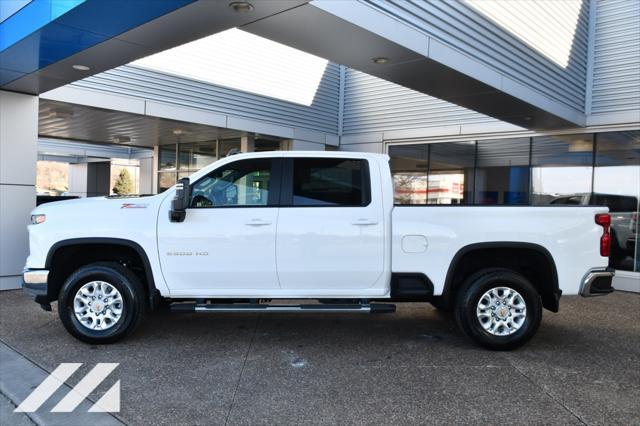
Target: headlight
[{"x": 38, "y": 218}]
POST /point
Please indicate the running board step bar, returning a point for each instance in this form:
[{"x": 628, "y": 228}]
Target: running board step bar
[{"x": 374, "y": 308}]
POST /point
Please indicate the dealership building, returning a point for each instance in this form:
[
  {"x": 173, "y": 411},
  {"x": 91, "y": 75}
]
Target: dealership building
[{"x": 477, "y": 102}]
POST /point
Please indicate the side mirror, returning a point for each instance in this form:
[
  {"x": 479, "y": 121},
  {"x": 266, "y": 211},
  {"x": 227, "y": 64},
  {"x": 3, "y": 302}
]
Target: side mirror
[{"x": 181, "y": 201}]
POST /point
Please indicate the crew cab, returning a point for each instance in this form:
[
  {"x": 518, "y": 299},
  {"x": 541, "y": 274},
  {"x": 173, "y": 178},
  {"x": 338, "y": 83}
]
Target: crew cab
[{"x": 310, "y": 232}]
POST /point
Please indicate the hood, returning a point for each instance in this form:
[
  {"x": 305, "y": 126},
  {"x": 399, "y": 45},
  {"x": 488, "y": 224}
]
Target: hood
[{"x": 99, "y": 203}]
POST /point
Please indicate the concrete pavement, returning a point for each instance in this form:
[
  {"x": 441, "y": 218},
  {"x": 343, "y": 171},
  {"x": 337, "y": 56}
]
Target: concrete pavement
[{"x": 411, "y": 367}]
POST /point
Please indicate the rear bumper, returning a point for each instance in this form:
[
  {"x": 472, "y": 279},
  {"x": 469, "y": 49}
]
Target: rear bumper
[
  {"x": 597, "y": 282},
  {"x": 35, "y": 284}
]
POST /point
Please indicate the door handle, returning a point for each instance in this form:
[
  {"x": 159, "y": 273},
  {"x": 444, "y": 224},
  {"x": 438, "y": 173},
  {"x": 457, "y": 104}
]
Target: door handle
[
  {"x": 258, "y": 222},
  {"x": 365, "y": 222}
]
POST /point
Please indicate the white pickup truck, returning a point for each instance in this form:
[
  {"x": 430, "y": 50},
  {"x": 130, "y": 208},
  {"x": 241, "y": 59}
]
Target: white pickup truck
[{"x": 319, "y": 227}]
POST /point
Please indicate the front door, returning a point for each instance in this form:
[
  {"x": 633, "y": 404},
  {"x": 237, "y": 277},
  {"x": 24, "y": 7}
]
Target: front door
[
  {"x": 330, "y": 229},
  {"x": 226, "y": 244}
]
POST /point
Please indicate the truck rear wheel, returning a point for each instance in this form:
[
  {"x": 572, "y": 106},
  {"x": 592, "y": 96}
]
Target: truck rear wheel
[
  {"x": 499, "y": 309},
  {"x": 101, "y": 303}
]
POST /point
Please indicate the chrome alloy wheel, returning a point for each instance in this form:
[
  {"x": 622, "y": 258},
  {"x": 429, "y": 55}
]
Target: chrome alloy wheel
[
  {"x": 98, "y": 305},
  {"x": 501, "y": 311}
]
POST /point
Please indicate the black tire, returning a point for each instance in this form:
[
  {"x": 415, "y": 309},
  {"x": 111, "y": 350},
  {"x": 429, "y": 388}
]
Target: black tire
[
  {"x": 125, "y": 281},
  {"x": 472, "y": 291}
]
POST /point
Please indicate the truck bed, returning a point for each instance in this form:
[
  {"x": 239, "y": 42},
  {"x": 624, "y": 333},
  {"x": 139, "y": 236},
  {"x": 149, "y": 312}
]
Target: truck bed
[{"x": 427, "y": 239}]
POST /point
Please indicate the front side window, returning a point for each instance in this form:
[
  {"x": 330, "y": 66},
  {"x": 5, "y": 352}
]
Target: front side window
[
  {"x": 244, "y": 183},
  {"x": 330, "y": 182}
]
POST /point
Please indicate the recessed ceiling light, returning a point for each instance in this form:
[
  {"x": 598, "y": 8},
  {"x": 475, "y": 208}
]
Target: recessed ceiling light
[
  {"x": 178, "y": 132},
  {"x": 241, "y": 6},
  {"x": 121, "y": 139},
  {"x": 380, "y": 60},
  {"x": 81, "y": 67},
  {"x": 527, "y": 118}
]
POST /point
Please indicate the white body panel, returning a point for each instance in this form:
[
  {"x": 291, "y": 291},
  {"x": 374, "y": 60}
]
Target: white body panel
[
  {"x": 336, "y": 250},
  {"x": 316, "y": 252},
  {"x": 569, "y": 234},
  {"x": 98, "y": 217},
  {"x": 331, "y": 249},
  {"x": 225, "y": 249}
]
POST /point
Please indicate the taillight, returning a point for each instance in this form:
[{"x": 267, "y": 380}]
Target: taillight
[{"x": 604, "y": 220}]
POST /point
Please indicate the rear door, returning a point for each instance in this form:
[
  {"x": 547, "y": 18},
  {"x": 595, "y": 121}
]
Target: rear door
[{"x": 330, "y": 229}]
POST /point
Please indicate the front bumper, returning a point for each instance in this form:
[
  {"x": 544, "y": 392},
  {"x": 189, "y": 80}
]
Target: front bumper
[
  {"x": 597, "y": 282},
  {"x": 35, "y": 284}
]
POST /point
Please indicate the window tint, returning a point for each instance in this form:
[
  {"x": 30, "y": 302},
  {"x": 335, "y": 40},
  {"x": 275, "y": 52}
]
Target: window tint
[
  {"x": 330, "y": 182},
  {"x": 242, "y": 183}
]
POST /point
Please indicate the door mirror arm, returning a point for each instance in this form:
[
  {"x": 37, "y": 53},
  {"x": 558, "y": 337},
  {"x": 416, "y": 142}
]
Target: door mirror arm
[{"x": 181, "y": 201}]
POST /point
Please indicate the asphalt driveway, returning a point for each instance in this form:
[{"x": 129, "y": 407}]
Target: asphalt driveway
[{"x": 414, "y": 366}]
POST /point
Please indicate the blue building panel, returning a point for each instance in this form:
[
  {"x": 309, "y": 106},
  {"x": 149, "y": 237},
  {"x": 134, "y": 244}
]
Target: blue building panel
[
  {"x": 31, "y": 18},
  {"x": 46, "y": 31}
]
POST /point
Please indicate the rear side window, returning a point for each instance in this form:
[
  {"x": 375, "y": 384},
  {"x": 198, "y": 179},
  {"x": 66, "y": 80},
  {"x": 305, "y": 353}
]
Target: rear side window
[{"x": 337, "y": 182}]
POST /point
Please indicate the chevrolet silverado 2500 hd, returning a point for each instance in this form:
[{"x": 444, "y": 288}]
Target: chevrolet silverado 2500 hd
[{"x": 253, "y": 228}]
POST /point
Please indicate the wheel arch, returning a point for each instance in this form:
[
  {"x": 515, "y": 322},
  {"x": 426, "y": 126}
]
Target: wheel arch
[
  {"x": 549, "y": 289},
  {"x": 59, "y": 247}
]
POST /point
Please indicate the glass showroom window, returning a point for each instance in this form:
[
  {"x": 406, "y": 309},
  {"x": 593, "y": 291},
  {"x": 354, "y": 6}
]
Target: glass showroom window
[
  {"x": 616, "y": 184},
  {"x": 562, "y": 168},
  {"x": 451, "y": 171},
  {"x": 181, "y": 160},
  {"x": 196, "y": 155},
  {"x": 409, "y": 168},
  {"x": 502, "y": 172},
  {"x": 167, "y": 167},
  {"x": 438, "y": 173}
]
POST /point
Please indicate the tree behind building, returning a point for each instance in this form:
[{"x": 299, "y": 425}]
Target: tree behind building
[{"x": 124, "y": 183}]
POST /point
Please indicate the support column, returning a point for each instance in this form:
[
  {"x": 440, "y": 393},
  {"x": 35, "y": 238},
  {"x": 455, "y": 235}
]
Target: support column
[
  {"x": 247, "y": 143},
  {"x": 156, "y": 161},
  {"x": 285, "y": 145},
  {"x": 90, "y": 179},
  {"x": 78, "y": 179},
  {"x": 147, "y": 175},
  {"x": 18, "y": 156}
]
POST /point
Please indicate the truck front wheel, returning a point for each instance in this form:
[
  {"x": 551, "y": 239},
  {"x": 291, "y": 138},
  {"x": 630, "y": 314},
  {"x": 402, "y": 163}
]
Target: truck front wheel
[
  {"x": 101, "y": 302},
  {"x": 498, "y": 308}
]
